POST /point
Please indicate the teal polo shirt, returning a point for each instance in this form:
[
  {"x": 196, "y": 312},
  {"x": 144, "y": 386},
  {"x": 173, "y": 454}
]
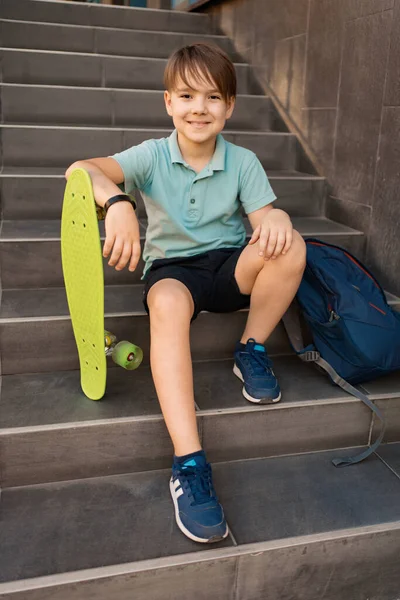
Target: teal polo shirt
[{"x": 190, "y": 213}]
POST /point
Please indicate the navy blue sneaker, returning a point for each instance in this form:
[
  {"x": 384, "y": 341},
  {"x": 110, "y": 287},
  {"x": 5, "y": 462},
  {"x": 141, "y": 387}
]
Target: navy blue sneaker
[
  {"x": 198, "y": 513},
  {"x": 254, "y": 368}
]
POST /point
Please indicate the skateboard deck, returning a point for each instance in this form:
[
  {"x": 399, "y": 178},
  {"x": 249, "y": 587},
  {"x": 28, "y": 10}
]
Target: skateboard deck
[
  {"x": 84, "y": 284},
  {"x": 84, "y": 280}
]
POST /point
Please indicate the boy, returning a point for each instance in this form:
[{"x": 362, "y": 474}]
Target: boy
[{"x": 196, "y": 258}]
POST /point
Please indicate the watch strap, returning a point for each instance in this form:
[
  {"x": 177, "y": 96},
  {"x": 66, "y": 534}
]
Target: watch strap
[{"x": 119, "y": 198}]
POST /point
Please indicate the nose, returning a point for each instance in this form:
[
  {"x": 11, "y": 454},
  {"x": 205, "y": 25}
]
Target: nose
[{"x": 199, "y": 105}]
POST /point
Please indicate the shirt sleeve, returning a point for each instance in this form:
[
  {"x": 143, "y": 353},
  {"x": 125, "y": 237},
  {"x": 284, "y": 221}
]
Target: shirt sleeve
[
  {"x": 255, "y": 190},
  {"x": 137, "y": 164}
]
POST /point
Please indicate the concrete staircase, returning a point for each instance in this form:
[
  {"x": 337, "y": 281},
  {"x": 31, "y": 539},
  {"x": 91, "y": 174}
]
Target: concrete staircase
[{"x": 82, "y": 80}]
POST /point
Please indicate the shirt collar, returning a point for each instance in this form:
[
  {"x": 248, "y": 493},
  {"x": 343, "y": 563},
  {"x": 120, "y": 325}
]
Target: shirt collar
[{"x": 217, "y": 162}]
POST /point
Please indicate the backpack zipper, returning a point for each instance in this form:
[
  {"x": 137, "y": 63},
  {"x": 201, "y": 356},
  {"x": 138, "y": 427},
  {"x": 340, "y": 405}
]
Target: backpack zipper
[{"x": 333, "y": 316}]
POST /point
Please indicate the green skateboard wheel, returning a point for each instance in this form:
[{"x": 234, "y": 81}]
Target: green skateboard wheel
[{"x": 127, "y": 355}]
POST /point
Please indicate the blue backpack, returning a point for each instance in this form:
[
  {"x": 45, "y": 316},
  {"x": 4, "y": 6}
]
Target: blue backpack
[{"x": 355, "y": 333}]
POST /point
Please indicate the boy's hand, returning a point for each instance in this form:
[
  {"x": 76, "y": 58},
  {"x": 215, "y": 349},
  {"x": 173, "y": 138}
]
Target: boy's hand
[
  {"x": 122, "y": 236},
  {"x": 275, "y": 233}
]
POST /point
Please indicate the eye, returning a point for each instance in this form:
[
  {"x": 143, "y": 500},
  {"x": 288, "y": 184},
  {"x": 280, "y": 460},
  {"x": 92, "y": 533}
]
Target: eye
[
  {"x": 186, "y": 96},
  {"x": 215, "y": 97}
]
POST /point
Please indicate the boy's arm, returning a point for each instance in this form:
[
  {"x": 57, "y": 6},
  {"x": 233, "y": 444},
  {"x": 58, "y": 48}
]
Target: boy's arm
[
  {"x": 257, "y": 216},
  {"x": 273, "y": 228},
  {"x": 122, "y": 226},
  {"x": 105, "y": 174}
]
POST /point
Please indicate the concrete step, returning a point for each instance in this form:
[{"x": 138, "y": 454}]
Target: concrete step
[
  {"x": 40, "y": 319},
  {"x": 113, "y": 107},
  {"x": 30, "y": 250},
  {"x": 115, "y": 537},
  {"x": 50, "y": 146},
  {"x": 103, "y": 40},
  {"x": 76, "y": 13},
  {"x": 38, "y": 193},
  {"x": 51, "y": 432},
  {"x": 96, "y": 70},
  {"x": 41, "y": 314}
]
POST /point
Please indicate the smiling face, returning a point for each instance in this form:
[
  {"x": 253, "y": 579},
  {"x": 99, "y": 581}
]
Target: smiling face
[{"x": 198, "y": 110}]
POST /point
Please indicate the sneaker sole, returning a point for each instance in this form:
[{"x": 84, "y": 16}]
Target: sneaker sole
[
  {"x": 215, "y": 538},
  {"x": 238, "y": 373}
]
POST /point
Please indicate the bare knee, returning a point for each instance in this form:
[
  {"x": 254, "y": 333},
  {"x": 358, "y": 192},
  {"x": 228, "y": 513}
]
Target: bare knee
[
  {"x": 170, "y": 300},
  {"x": 296, "y": 257},
  {"x": 294, "y": 261}
]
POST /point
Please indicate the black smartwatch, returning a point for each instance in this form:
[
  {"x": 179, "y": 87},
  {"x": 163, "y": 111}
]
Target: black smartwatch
[{"x": 119, "y": 198}]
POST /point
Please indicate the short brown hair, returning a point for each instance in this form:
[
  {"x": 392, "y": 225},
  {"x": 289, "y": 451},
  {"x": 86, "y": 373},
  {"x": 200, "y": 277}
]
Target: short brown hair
[{"x": 202, "y": 62}]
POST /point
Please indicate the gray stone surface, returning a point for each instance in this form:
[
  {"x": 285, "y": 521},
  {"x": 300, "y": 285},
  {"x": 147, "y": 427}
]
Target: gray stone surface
[
  {"x": 317, "y": 496},
  {"x": 103, "y": 40},
  {"x": 29, "y": 399},
  {"x": 40, "y": 196},
  {"x": 78, "y": 525},
  {"x": 19, "y": 341},
  {"x": 52, "y": 302},
  {"x": 298, "y": 381},
  {"x": 104, "y": 16},
  {"x": 23, "y": 66},
  {"x": 69, "y": 68},
  {"x": 203, "y": 579},
  {"x": 56, "y": 147},
  {"x": 48, "y": 398},
  {"x": 213, "y": 336},
  {"x": 382, "y": 254},
  {"x": 354, "y": 214},
  {"x": 80, "y": 515},
  {"x": 52, "y": 147},
  {"x": 390, "y": 408},
  {"x": 298, "y": 194},
  {"x": 360, "y": 102},
  {"x": 319, "y": 128},
  {"x": 277, "y": 431},
  {"x": 356, "y": 567},
  {"x": 30, "y": 254},
  {"x": 392, "y": 95},
  {"x": 153, "y": 43},
  {"x": 323, "y": 54},
  {"x": 287, "y": 79},
  {"x": 131, "y": 108},
  {"x": 362, "y": 565},
  {"x": 85, "y": 450},
  {"x": 46, "y": 36},
  {"x": 40, "y": 266},
  {"x": 391, "y": 455}
]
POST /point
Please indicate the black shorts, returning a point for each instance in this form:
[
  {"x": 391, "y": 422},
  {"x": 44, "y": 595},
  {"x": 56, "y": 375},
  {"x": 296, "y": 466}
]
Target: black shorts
[{"x": 210, "y": 278}]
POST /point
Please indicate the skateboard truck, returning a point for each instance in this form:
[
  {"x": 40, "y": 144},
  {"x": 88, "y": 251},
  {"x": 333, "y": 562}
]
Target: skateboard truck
[{"x": 125, "y": 354}]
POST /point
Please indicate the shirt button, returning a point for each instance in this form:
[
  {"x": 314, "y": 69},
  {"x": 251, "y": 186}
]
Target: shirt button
[{"x": 192, "y": 201}]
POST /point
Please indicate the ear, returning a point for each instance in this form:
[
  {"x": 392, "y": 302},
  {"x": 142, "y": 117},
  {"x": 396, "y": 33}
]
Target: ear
[
  {"x": 230, "y": 105},
  {"x": 167, "y": 100}
]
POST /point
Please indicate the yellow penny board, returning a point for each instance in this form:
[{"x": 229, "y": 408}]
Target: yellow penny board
[{"x": 84, "y": 280}]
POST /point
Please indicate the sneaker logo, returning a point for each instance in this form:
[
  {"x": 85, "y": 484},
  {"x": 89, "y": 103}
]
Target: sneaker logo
[
  {"x": 177, "y": 485},
  {"x": 259, "y": 348},
  {"x": 189, "y": 463}
]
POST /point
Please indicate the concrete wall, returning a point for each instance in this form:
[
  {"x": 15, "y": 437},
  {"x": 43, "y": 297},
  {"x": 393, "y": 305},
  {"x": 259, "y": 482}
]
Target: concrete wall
[{"x": 334, "y": 66}]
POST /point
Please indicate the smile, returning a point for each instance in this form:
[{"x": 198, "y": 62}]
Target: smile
[{"x": 198, "y": 123}]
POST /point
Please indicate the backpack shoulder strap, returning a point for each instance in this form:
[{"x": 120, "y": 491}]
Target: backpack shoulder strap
[{"x": 291, "y": 322}]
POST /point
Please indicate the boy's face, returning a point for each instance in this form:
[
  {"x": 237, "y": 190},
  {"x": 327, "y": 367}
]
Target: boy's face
[{"x": 199, "y": 112}]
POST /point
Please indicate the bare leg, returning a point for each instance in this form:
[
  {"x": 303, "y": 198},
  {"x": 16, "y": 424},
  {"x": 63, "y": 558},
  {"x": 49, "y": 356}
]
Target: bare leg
[
  {"x": 272, "y": 285},
  {"x": 171, "y": 308}
]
